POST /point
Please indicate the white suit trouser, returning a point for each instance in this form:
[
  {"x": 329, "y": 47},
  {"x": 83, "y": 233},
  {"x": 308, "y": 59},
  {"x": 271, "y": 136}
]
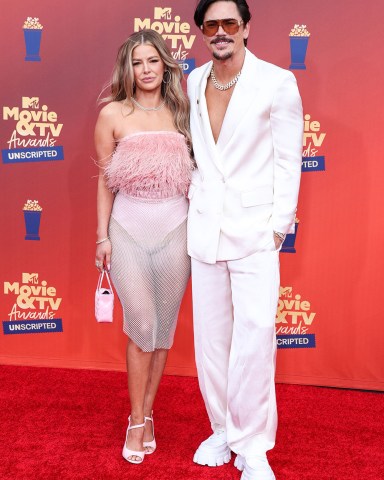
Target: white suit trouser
[{"x": 234, "y": 309}]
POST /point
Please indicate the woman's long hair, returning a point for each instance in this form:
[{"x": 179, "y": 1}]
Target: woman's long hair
[{"x": 122, "y": 85}]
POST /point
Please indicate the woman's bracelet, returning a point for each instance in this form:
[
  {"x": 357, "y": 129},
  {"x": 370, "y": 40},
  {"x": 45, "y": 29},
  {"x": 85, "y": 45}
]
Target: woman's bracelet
[{"x": 101, "y": 241}]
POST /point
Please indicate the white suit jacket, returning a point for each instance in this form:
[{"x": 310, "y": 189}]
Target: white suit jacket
[{"x": 246, "y": 185}]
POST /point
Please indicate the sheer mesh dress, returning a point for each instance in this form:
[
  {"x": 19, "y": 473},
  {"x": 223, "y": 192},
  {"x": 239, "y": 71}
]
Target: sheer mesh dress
[{"x": 150, "y": 173}]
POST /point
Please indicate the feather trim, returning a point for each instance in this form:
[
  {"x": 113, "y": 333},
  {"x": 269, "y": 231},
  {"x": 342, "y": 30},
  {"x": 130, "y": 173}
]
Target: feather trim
[{"x": 151, "y": 165}]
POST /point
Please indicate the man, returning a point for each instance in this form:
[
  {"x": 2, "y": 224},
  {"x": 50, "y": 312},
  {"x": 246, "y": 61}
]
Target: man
[{"x": 247, "y": 127}]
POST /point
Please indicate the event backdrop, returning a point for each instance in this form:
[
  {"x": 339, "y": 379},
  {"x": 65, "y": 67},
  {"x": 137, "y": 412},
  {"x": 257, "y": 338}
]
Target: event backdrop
[{"x": 55, "y": 59}]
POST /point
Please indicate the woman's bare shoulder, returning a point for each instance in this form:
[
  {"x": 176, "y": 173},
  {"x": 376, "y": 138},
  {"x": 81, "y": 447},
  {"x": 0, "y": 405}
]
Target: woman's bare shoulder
[{"x": 111, "y": 109}]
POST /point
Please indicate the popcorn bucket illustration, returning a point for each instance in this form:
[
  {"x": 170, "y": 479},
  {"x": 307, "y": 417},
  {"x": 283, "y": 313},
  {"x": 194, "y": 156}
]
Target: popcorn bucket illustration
[
  {"x": 32, "y": 225},
  {"x": 298, "y": 39},
  {"x": 32, "y": 44},
  {"x": 298, "y": 52},
  {"x": 32, "y": 36},
  {"x": 32, "y": 215},
  {"x": 289, "y": 242}
]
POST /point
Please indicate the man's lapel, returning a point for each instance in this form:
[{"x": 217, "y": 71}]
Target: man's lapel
[
  {"x": 204, "y": 123},
  {"x": 245, "y": 91}
]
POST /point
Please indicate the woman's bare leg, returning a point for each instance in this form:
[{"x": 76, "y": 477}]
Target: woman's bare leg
[
  {"x": 159, "y": 359},
  {"x": 138, "y": 368}
]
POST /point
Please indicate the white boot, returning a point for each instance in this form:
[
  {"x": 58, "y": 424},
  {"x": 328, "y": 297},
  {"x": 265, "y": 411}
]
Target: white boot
[
  {"x": 257, "y": 468},
  {"x": 214, "y": 451}
]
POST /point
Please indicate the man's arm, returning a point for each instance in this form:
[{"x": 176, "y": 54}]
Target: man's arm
[{"x": 287, "y": 134}]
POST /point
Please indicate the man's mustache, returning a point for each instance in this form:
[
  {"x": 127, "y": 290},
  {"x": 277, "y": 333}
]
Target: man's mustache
[{"x": 221, "y": 39}]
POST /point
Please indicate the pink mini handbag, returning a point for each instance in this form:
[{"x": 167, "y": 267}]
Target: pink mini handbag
[{"x": 104, "y": 299}]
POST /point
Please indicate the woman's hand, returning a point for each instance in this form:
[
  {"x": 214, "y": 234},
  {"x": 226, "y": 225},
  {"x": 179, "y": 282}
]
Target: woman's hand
[{"x": 103, "y": 256}]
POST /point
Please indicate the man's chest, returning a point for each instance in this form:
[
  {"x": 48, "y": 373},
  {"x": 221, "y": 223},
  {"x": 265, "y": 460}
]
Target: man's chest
[{"x": 217, "y": 105}]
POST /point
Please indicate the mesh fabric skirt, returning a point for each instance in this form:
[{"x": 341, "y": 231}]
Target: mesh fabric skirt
[{"x": 150, "y": 266}]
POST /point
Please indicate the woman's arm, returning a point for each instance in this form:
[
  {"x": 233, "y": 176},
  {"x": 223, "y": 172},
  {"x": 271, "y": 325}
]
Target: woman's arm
[{"x": 105, "y": 145}]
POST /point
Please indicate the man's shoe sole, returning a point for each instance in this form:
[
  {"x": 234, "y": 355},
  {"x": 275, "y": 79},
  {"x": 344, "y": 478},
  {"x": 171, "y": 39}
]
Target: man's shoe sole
[{"x": 217, "y": 457}]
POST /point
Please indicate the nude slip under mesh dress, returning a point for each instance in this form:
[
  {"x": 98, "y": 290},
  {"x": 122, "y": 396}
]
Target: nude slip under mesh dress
[{"x": 150, "y": 173}]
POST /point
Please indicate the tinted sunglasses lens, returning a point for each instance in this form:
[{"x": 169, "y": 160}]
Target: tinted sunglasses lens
[
  {"x": 210, "y": 28},
  {"x": 230, "y": 26}
]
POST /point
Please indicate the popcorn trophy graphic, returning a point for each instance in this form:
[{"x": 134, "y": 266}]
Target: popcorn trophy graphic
[
  {"x": 298, "y": 37},
  {"x": 32, "y": 214},
  {"x": 289, "y": 242},
  {"x": 32, "y": 36}
]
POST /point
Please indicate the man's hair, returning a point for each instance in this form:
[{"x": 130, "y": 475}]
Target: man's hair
[{"x": 203, "y": 6}]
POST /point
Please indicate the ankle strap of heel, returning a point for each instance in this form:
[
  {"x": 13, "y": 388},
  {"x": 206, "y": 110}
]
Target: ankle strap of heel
[
  {"x": 141, "y": 425},
  {"x": 131, "y": 427}
]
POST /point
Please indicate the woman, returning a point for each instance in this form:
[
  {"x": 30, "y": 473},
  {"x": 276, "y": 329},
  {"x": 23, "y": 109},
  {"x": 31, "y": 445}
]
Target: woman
[{"x": 143, "y": 146}]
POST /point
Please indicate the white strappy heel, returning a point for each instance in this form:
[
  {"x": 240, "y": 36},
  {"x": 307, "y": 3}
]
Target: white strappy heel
[
  {"x": 152, "y": 443},
  {"x": 132, "y": 453}
]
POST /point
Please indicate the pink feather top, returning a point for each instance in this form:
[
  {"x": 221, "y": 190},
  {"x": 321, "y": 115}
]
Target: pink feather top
[{"x": 153, "y": 164}]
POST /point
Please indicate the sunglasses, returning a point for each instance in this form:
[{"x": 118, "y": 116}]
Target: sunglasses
[{"x": 229, "y": 25}]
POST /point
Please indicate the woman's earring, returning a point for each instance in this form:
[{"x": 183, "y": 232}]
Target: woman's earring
[{"x": 167, "y": 78}]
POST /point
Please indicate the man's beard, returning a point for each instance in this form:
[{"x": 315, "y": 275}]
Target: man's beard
[{"x": 223, "y": 57}]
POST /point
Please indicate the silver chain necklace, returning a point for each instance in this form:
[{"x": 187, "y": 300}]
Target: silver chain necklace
[
  {"x": 148, "y": 109},
  {"x": 228, "y": 85}
]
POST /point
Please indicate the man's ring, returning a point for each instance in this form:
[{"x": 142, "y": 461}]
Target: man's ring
[{"x": 98, "y": 264}]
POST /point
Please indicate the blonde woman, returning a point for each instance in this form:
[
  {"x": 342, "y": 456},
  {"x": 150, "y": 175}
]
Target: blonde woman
[{"x": 143, "y": 147}]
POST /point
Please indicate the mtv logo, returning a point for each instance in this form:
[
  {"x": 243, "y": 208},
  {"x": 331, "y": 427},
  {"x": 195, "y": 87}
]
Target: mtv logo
[
  {"x": 163, "y": 13},
  {"x": 30, "y": 102},
  {"x": 286, "y": 292},
  {"x": 30, "y": 278}
]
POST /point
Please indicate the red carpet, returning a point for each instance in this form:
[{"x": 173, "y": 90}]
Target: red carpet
[{"x": 70, "y": 424}]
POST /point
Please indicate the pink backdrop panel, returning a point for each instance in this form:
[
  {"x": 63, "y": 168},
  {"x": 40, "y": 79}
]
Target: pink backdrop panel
[{"x": 329, "y": 318}]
